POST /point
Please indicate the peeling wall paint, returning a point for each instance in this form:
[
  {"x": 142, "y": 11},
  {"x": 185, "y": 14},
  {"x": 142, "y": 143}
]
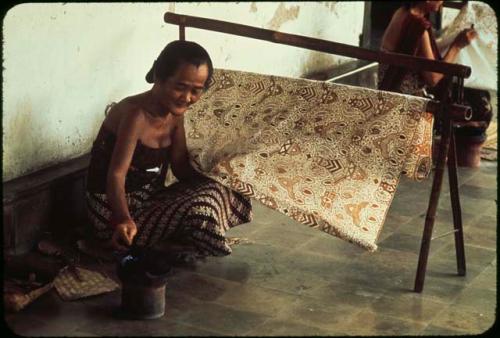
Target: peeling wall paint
[
  {"x": 448, "y": 15},
  {"x": 282, "y": 15},
  {"x": 253, "y": 7},
  {"x": 64, "y": 62}
]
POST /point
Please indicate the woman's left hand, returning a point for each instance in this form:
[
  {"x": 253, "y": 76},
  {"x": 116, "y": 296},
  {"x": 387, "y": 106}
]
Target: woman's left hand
[{"x": 465, "y": 37}]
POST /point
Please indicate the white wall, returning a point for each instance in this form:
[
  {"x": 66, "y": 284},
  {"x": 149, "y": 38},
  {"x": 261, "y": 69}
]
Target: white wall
[
  {"x": 63, "y": 63},
  {"x": 448, "y": 15}
]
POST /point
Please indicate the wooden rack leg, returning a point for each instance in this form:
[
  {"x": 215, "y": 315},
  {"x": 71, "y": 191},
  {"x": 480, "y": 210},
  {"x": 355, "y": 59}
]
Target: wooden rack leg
[
  {"x": 432, "y": 208},
  {"x": 455, "y": 205},
  {"x": 182, "y": 32}
]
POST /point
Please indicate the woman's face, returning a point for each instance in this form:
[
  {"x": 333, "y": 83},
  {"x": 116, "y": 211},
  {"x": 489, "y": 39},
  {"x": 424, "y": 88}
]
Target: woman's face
[{"x": 183, "y": 88}]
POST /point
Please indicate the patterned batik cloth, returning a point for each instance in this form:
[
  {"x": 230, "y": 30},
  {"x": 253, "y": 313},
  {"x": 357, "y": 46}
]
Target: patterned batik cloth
[
  {"x": 481, "y": 54},
  {"x": 327, "y": 155},
  {"x": 199, "y": 211}
]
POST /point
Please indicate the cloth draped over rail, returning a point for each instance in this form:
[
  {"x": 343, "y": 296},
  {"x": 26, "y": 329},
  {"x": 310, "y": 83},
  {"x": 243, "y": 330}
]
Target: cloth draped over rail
[
  {"x": 327, "y": 155},
  {"x": 481, "y": 54}
]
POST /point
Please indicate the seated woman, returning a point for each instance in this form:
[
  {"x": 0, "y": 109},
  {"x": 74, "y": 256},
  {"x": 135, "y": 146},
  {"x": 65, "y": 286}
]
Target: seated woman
[
  {"x": 410, "y": 32},
  {"x": 127, "y": 200}
]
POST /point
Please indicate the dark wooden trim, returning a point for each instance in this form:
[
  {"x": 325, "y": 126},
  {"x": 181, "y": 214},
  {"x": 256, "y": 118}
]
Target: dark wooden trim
[
  {"x": 454, "y": 4},
  {"x": 51, "y": 199},
  {"x": 32, "y": 183},
  {"x": 367, "y": 29}
]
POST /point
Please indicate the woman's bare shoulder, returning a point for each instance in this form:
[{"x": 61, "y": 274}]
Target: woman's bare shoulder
[
  {"x": 126, "y": 110},
  {"x": 398, "y": 18},
  {"x": 393, "y": 30}
]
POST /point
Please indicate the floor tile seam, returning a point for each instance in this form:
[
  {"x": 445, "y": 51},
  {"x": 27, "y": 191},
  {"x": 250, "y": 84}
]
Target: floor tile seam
[
  {"x": 254, "y": 283},
  {"x": 411, "y": 293},
  {"x": 435, "y": 320},
  {"x": 408, "y": 319},
  {"x": 298, "y": 248},
  {"x": 308, "y": 297},
  {"x": 233, "y": 284},
  {"x": 188, "y": 325},
  {"x": 443, "y": 305},
  {"x": 300, "y": 231},
  {"x": 480, "y": 247},
  {"x": 335, "y": 253},
  {"x": 251, "y": 284},
  {"x": 468, "y": 264},
  {"x": 455, "y": 282},
  {"x": 236, "y": 306},
  {"x": 468, "y": 307},
  {"x": 451, "y": 299},
  {"x": 248, "y": 332},
  {"x": 284, "y": 248},
  {"x": 430, "y": 298},
  {"x": 453, "y": 254},
  {"x": 442, "y": 327},
  {"x": 185, "y": 320},
  {"x": 324, "y": 327},
  {"x": 390, "y": 317},
  {"x": 300, "y": 298},
  {"x": 475, "y": 229}
]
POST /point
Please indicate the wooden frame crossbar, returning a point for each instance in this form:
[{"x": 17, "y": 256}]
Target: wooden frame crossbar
[{"x": 444, "y": 110}]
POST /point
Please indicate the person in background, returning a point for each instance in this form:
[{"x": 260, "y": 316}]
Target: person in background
[
  {"x": 410, "y": 32},
  {"x": 140, "y": 137}
]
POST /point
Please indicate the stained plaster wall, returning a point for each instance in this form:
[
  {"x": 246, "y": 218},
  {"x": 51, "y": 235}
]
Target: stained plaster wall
[
  {"x": 448, "y": 15},
  {"x": 63, "y": 63}
]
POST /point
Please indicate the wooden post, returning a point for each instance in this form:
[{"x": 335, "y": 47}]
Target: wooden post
[
  {"x": 395, "y": 59},
  {"x": 455, "y": 205},
  {"x": 182, "y": 32},
  {"x": 436, "y": 187}
]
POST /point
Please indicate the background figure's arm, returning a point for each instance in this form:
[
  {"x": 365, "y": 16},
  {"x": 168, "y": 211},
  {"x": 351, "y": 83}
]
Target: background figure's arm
[{"x": 425, "y": 50}]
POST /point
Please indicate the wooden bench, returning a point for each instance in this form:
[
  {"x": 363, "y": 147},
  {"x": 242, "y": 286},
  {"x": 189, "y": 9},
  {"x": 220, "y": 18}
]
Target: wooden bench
[{"x": 48, "y": 200}]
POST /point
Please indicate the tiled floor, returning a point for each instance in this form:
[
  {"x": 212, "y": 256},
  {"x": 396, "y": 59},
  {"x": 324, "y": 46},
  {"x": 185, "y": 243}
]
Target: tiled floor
[{"x": 293, "y": 280}]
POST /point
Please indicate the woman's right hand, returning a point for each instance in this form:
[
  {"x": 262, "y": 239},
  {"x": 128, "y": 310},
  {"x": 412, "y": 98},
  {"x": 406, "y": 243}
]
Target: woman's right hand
[
  {"x": 123, "y": 235},
  {"x": 465, "y": 37}
]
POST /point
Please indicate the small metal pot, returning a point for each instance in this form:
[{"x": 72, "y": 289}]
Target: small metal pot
[{"x": 143, "y": 287}]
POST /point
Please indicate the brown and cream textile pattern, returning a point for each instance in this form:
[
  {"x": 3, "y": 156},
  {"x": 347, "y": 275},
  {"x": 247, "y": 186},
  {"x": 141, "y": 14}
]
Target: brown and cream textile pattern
[{"x": 327, "y": 155}]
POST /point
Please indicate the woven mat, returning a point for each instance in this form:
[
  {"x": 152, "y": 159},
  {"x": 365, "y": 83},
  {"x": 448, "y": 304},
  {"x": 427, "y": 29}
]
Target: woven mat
[
  {"x": 327, "y": 155},
  {"x": 92, "y": 283}
]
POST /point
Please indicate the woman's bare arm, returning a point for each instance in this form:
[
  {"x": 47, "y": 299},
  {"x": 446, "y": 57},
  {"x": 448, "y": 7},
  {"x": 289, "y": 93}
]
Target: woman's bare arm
[
  {"x": 179, "y": 158},
  {"x": 425, "y": 50},
  {"x": 126, "y": 139}
]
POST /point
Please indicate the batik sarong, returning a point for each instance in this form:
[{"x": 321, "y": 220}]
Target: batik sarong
[{"x": 198, "y": 212}]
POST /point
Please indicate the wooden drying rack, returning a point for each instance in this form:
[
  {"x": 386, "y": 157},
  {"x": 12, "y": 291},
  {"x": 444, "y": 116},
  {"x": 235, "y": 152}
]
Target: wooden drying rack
[{"x": 444, "y": 109}]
